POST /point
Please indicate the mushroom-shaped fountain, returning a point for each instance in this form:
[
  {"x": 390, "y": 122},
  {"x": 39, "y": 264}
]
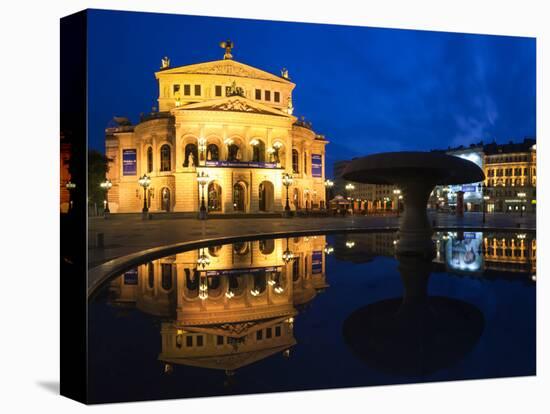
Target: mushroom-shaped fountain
[
  {"x": 416, "y": 174},
  {"x": 416, "y": 335}
]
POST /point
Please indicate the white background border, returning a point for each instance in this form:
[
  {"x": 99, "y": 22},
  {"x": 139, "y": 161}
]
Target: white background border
[{"x": 29, "y": 348}]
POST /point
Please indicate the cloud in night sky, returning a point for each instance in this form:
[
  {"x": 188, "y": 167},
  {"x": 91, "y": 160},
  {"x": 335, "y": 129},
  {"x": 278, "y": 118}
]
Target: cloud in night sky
[{"x": 367, "y": 89}]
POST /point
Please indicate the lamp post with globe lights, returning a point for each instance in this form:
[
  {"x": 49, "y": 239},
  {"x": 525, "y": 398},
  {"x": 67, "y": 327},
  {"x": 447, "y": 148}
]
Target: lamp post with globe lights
[
  {"x": 328, "y": 188},
  {"x": 70, "y": 186},
  {"x": 287, "y": 182},
  {"x": 145, "y": 182},
  {"x": 106, "y": 186},
  {"x": 202, "y": 178},
  {"x": 349, "y": 188}
]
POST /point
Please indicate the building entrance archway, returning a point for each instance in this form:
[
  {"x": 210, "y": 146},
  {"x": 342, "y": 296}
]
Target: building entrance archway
[
  {"x": 266, "y": 196},
  {"x": 165, "y": 199},
  {"x": 239, "y": 197}
]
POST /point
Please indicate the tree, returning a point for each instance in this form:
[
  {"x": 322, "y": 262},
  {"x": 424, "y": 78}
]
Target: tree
[{"x": 98, "y": 167}]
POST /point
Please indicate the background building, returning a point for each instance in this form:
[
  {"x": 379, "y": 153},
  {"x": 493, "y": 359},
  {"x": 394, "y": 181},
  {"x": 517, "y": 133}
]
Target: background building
[
  {"x": 365, "y": 197},
  {"x": 510, "y": 179},
  {"x": 224, "y": 119}
]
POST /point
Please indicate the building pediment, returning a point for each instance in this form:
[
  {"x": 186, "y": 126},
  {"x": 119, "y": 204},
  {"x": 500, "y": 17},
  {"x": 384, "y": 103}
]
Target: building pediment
[
  {"x": 233, "y": 104},
  {"x": 227, "y": 67}
]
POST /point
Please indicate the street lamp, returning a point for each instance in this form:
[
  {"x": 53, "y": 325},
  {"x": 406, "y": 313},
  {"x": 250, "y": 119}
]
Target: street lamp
[
  {"x": 202, "y": 178},
  {"x": 522, "y": 197},
  {"x": 397, "y": 193},
  {"x": 349, "y": 188},
  {"x": 106, "y": 186},
  {"x": 70, "y": 186},
  {"x": 145, "y": 182},
  {"x": 287, "y": 182},
  {"x": 328, "y": 187}
]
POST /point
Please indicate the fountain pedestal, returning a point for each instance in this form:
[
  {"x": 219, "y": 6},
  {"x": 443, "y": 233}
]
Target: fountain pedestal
[{"x": 416, "y": 174}]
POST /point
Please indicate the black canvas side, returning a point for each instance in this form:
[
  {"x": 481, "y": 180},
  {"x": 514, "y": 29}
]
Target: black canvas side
[{"x": 73, "y": 102}]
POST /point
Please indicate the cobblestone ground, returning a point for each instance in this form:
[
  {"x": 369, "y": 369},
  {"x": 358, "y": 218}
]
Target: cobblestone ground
[{"x": 126, "y": 234}]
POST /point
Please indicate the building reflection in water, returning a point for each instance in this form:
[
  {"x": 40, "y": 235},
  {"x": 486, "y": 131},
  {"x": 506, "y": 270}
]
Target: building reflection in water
[
  {"x": 472, "y": 253},
  {"x": 227, "y": 306}
]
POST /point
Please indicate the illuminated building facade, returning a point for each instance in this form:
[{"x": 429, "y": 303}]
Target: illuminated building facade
[
  {"x": 511, "y": 177},
  {"x": 227, "y": 306},
  {"x": 227, "y": 120}
]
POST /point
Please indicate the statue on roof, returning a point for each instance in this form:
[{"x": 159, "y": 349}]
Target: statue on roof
[
  {"x": 284, "y": 73},
  {"x": 227, "y": 45},
  {"x": 165, "y": 62},
  {"x": 290, "y": 107}
]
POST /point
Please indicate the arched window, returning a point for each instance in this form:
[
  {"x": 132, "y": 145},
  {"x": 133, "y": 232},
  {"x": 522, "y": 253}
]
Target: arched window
[
  {"x": 212, "y": 153},
  {"x": 267, "y": 246},
  {"x": 150, "y": 159},
  {"x": 151, "y": 275},
  {"x": 295, "y": 168},
  {"x": 165, "y": 158},
  {"x": 166, "y": 276},
  {"x": 258, "y": 151},
  {"x": 214, "y": 197},
  {"x": 191, "y": 155},
  {"x": 233, "y": 153}
]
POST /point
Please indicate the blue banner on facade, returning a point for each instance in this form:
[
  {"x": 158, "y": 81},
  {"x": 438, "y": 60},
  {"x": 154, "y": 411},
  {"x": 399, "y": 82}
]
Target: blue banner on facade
[
  {"x": 469, "y": 188},
  {"x": 131, "y": 277},
  {"x": 316, "y": 165},
  {"x": 317, "y": 262},
  {"x": 241, "y": 164},
  {"x": 129, "y": 162}
]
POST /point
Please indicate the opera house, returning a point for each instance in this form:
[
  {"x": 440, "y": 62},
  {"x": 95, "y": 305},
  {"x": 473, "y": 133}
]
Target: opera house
[{"x": 228, "y": 122}]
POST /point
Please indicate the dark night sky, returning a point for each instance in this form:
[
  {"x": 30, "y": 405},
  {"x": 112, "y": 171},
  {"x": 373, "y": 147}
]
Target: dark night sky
[{"x": 368, "y": 90}]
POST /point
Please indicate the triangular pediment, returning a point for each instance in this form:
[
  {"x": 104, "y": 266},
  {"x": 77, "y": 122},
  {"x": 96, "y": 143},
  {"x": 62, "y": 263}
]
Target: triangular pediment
[
  {"x": 227, "y": 67},
  {"x": 233, "y": 104}
]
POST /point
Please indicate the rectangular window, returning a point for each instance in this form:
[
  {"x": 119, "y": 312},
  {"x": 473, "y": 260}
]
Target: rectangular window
[
  {"x": 220, "y": 340},
  {"x": 176, "y": 89},
  {"x": 259, "y": 335},
  {"x": 189, "y": 341},
  {"x": 268, "y": 333},
  {"x": 187, "y": 90},
  {"x": 197, "y": 90},
  {"x": 218, "y": 90},
  {"x": 268, "y": 95},
  {"x": 277, "y": 331},
  {"x": 200, "y": 340},
  {"x": 258, "y": 94},
  {"x": 276, "y": 96}
]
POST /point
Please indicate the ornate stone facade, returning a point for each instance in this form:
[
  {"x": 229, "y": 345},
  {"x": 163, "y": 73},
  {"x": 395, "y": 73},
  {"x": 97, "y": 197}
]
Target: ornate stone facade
[{"x": 230, "y": 121}]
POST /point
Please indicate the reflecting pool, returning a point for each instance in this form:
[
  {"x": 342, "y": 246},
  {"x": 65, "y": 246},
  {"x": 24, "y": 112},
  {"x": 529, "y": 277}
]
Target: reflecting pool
[{"x": 315, "y": 312}]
